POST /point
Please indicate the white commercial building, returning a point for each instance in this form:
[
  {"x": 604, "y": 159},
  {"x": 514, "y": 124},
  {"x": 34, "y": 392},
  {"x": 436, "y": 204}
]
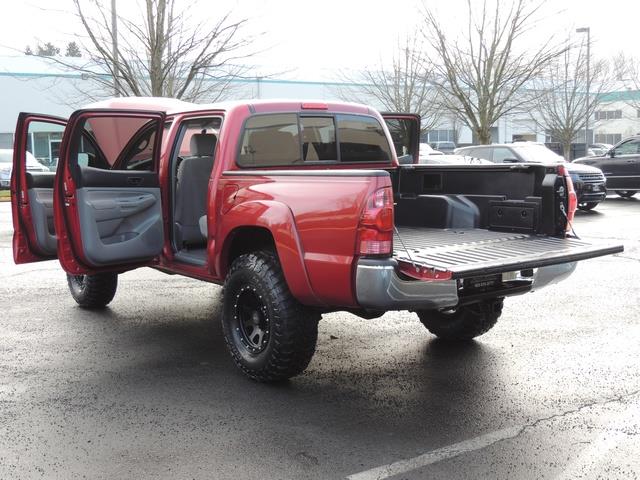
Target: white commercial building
[{"x": 33, "y": 84}]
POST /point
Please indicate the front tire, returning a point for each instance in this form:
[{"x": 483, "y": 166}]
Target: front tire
[
  {"x": 270, "y": 335},
  {"x": 93, "y": 291},
  {"x": 626, "y": 193},
  {"x": 588, "y": 206},
  {"x": 464, "y": 322}
]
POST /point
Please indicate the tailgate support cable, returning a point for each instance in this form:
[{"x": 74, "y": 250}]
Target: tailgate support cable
[
  {"x": 405, "y": 248},
  {"x": 568, "y": 221}
]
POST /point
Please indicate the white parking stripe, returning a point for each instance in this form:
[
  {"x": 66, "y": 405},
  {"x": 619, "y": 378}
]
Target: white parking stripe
[{"x": 435, "y": 456}]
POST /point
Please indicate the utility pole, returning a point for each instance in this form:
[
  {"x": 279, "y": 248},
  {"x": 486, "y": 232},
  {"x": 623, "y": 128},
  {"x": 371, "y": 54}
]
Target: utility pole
[
  {"x": 587, "y": 30},
  {"x": 114, "y": 38}
]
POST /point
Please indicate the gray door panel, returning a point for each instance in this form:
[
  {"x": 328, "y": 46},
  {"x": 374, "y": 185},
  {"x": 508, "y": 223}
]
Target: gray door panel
[
  {"x": 120, "y": 224},
  {"x": 41, "y": 201}
]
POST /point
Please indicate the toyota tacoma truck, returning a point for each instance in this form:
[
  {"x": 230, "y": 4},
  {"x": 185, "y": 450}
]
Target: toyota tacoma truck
[{"x": 298, "y": 209}]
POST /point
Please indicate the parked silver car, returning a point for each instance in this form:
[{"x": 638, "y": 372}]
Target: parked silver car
[{"x": 6, "y": 165}]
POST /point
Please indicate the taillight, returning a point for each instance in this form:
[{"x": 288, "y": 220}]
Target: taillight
[
  {"x": 572, "y": 203},
  {"x": 375, "y": 231}
]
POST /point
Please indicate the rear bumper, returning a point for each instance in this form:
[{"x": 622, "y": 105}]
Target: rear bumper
[{"x": 378, "y": 287}]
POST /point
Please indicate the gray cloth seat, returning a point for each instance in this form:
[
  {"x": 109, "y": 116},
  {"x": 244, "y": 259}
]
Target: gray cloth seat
[{"x": 191, "y": 190}]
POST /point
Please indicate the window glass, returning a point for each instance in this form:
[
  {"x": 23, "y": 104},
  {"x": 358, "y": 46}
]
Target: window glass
[
  {"x": 632, "y": 147},
  {"x": 362, "y": 139},
  {"x": 484, "y": 153},
  {"x": 500, "y": 154},
  {"x": 402, "y": 134},
  {"x": 318, "y": 139},
  {"x": 270, "y": 140},
  {"x": 116, "y": 143},
  {"x": 44, "y": 143},
  {"x": 206, "y": 131}
]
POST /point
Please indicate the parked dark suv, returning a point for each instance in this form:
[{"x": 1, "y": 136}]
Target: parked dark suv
[
  {"x": 589, "y": 182},
  {"x": 621, "y": 166}
]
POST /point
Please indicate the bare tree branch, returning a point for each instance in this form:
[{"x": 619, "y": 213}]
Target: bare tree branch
[
  {"x": 166, "y": 51},
  {"x": 479, "y": 75},
  {"x": 562, "y": 106},
  {"x": 402, "y": 84}
]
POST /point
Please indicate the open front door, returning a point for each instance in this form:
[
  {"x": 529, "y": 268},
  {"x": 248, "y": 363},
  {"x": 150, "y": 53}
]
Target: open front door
[
  {"x": 405, "y": 132},
  {"x": 107, "y": 193},
  {"x": 35, "y": 157}
]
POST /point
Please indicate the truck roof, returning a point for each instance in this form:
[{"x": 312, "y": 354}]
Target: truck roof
[{"x": 171, "y": 106}]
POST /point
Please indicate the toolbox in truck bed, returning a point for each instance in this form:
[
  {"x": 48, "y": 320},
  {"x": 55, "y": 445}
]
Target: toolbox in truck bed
[{"x": 475, "y": 251}]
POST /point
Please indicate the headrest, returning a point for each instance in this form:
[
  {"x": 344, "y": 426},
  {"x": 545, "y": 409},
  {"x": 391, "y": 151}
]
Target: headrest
[{"x": 203, "y": 144}]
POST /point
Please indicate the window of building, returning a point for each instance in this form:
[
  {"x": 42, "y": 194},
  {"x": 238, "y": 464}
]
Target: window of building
[
  {"x": 6, "y": 140},
  {"x": 441, "y": 136},
  {"x": 608, "y": 114},
  {"x": 610, "y": 138}
]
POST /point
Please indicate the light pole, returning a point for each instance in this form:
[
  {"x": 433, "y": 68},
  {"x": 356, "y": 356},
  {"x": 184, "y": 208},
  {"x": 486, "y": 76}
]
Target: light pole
[
  {"x": 587, "y": 30},
  {"x": 114, "y": 45}
]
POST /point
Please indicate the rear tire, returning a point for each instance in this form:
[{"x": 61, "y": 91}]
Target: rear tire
[
  {"x": 463, "y": 323},
  {"x": 270, "y": 335},
  {"x": 93, "y": 291},
  {"x": 588, "y": 206},
  {"x": 626, "y": 193}
]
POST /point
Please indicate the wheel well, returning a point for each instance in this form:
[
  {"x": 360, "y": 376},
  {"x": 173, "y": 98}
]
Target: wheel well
[{"x": 245, "y": 240}]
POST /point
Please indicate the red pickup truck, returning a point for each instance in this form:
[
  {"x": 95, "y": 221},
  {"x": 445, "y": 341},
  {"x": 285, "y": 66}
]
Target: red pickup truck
[{"x": 298, "y": 209}]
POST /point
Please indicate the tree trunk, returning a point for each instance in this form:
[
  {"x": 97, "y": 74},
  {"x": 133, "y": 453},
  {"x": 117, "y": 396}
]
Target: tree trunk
[
  {"x": 483, "y": 135},
  {"x": 566, "y": 150}
]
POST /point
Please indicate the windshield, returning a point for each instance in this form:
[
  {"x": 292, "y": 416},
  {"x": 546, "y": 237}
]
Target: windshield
[
  {"x": 6, "y": 157},
  {"x": 537, "y": 153}
]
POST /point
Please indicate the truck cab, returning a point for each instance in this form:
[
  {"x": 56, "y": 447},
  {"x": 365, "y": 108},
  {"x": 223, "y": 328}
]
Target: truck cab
[{"x": 298, "y": 209}]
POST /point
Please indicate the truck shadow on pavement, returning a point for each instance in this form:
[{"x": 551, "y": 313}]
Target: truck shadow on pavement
[{"x": 172, "y": 363}]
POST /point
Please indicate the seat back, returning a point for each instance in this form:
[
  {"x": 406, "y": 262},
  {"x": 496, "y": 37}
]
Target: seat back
[{"x": 191, "y": 190}]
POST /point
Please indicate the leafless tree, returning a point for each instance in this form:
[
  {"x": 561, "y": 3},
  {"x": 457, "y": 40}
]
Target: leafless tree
[
  {"x": 400, "y": 84},
  {"x": 481, "y": 74},
  {"x": 626, "y": 69},
  {"x": 171, "y": 49},
  {"x": 562, "y": 106}
]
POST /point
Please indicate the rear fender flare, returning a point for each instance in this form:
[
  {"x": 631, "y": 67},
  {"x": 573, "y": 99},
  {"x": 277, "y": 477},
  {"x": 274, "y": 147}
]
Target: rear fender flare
[{"x": 278, "y": 219}]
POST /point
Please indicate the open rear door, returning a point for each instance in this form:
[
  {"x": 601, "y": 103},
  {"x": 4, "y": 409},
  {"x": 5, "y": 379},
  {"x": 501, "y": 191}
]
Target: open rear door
[
  {"x": 107, "y": 193},
  {"x": 405, "y": 133},
  {"x": 32, "y": 180}
]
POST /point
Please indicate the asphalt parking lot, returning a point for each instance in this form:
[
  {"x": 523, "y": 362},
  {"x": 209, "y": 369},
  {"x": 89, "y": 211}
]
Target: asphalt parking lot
[{"x": 146, "y": 389}]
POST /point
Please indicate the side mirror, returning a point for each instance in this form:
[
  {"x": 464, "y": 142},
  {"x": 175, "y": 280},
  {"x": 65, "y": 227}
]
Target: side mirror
[{"x": 612, "y": 153}]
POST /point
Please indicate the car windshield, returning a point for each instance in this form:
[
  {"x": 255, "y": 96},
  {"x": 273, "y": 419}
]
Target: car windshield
[
  {"x": 537, "y": 153},
  {"x": 6, "y": 157}
]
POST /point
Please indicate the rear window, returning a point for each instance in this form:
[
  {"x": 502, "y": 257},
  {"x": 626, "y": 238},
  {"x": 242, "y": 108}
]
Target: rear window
[
  {"x": 288, "y": 139},
  {"x": 362, "y": 139}
]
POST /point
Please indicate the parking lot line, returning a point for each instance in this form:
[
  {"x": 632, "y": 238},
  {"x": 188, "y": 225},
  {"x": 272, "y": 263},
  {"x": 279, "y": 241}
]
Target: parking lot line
[{"x": 450, "y": 451}]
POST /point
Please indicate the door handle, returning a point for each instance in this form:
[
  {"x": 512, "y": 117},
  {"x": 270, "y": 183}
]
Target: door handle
[
  {"x": 631, "y": 161},
  {"x": 134, "y": 181}
]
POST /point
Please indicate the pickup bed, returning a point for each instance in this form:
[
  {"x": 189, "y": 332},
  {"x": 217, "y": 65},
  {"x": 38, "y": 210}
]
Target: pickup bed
[{"x": 298, "y": 209}]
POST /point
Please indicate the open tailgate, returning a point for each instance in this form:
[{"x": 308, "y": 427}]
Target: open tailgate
[{"x": 474, "y": 252}]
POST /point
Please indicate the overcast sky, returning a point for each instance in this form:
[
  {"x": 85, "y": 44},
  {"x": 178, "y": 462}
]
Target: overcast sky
[{"x": 323, "y": 35}]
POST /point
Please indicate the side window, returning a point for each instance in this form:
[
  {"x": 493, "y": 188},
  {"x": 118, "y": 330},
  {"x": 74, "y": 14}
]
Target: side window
[
  {"x": 318, "y": 139},
  {"x": 270, "y": 140},
  {"x": 402, "y": 133},
  {"x": 500, "y": 154},
  {"x": 139, "y": 154},
  {"x": 362, "y": 139},
  {"x": 630, "y": 147},
  {"x": 484, "y": 153},
  {"x": 116, "y": 143}
]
